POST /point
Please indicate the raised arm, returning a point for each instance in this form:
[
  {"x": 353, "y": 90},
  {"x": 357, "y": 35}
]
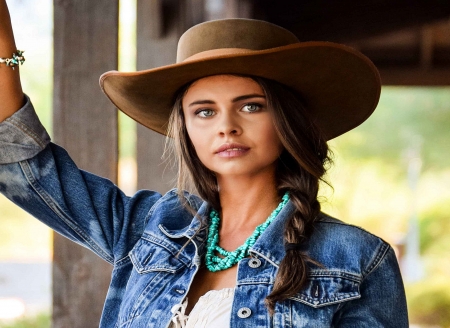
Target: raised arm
[{"x": 11, "y": 95}]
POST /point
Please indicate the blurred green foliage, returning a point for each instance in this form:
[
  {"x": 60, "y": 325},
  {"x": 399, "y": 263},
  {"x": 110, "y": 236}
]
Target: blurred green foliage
[
  {"x": 402, "y": 115},
  {"x": 40, "y": 321},
  {"x": 435, "y": 230},
  {"x": 429, "y": 302}
]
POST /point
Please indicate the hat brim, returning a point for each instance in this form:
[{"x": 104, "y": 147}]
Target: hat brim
[{"x": 340, "y": 86}]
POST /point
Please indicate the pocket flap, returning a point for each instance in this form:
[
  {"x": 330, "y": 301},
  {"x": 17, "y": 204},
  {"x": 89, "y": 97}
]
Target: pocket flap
[
  {"x": 323, "y": 290},
  {"x": 147, "y": 256}
]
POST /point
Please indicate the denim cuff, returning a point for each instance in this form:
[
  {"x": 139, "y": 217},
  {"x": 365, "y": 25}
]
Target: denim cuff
[{"x": 22, "y": 135}]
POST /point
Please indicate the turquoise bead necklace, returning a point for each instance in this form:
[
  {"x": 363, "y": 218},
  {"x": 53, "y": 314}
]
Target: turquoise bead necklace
[{"x": 216, "y": 263}]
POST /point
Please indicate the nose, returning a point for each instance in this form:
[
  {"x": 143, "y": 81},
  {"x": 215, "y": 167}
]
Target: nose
[{"x": 229, "y": 125}]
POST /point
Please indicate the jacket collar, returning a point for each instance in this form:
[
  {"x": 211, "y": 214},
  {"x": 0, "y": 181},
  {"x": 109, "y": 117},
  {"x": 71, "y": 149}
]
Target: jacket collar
[{"x": 270, "y": 245}]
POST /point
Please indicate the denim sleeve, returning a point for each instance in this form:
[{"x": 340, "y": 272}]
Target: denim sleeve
[
  {"x": 22, "y": 135},
  {"x": 41, "y": 178},
  {"x": 382, "y": 302}
]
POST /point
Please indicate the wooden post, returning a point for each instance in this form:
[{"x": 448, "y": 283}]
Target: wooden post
[{"x": 85, "y": 123}]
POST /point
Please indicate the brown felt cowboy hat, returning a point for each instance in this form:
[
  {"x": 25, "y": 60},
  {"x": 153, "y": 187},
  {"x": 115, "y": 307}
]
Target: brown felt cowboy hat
[{"x": 340, "y": 86}]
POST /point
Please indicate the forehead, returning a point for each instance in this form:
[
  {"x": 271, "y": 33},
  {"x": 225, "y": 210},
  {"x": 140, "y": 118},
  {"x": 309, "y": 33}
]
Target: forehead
[{"x": 222, "y": 86}]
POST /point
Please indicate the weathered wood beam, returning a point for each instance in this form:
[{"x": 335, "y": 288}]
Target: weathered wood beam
[
  {"x": 416, "y": 76},
  {"x": 348, "y": 20},
  {"x": 426, "y": 48},
  {"x": 85, "y": 123}
]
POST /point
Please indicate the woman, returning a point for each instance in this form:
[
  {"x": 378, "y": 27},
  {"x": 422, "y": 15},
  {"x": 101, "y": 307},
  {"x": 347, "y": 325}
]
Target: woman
[{"x": 249, "y": 110}]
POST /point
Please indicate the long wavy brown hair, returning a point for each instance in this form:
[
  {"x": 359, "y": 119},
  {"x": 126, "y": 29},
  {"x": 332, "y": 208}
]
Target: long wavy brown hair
[{"x": 300, "y": 168}]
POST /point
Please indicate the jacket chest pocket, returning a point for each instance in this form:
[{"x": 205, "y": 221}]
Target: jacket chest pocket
[
  {"x": 323, "y": 295},
  {"x": 150, "y": 256},
  {"x": 155, "y": 268}
]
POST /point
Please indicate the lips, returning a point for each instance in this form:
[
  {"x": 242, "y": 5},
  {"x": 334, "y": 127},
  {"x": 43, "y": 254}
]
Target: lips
[
  {"x": 231, "y": 150},
  {"x": 232, "y": 147}
]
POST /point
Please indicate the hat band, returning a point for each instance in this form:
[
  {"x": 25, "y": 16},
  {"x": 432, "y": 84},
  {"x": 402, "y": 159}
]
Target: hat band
[{"x": 218, "y": 52}]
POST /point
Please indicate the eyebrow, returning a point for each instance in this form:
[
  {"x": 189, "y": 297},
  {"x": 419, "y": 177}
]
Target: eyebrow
[{"x": 243, "y": 97}]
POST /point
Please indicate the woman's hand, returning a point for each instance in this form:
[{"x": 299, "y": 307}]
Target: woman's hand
[{"x": 11, "y": 95}]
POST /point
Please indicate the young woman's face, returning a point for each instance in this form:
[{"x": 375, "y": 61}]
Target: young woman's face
[{"x": 230, "y": 126}]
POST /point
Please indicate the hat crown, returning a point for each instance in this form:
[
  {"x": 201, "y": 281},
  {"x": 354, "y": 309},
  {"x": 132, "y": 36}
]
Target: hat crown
[{"x": 232, "y": 33}]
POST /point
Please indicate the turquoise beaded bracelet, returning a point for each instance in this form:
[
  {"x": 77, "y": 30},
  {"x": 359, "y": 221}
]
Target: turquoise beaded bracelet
[{"x": 17, "y": 58}]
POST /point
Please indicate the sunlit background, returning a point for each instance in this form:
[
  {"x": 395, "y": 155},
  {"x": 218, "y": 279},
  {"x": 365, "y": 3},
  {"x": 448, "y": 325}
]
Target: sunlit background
[{"x": 391, "y": 177}]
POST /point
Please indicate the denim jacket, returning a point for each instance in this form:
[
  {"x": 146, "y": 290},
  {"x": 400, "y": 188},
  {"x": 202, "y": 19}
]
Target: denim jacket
[{"x": 358, "y": 285}]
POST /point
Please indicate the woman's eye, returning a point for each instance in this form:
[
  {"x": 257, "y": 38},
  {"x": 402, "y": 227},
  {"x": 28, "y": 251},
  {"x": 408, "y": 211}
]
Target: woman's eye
[
  {"x": 251, "y": 108},
  {"x": 204, "y": 113}
]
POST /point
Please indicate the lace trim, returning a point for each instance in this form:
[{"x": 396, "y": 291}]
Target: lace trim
[{"x": 180, "y": 319}]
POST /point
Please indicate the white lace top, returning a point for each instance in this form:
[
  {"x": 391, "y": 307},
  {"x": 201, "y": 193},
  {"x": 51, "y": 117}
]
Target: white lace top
[{"x": 212, "y": 310}]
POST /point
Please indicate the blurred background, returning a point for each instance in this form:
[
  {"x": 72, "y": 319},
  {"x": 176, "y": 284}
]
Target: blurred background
[{"x": 390, "y": 176}]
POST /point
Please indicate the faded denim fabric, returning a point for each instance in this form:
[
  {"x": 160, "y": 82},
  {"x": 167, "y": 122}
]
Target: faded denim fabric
[
  {"x": 22, "y": 135},
  {"x": 359, "y": 284}
]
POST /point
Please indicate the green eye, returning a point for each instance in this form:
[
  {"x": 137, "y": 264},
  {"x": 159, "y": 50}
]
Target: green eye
[
  {"x": 205, "y": 113},
  {"x": 251, "y": 108}
]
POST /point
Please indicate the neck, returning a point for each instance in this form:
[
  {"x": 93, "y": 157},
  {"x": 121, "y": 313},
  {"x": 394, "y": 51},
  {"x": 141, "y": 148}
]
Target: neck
[{"x": 246, "y": 201}]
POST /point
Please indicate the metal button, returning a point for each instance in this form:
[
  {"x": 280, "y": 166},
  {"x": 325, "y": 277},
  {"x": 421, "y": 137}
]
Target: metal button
[
  {"x": 254, "y": 263},
  {"x": 244, "y": 312},
  {"x": 180, "y": 291}
]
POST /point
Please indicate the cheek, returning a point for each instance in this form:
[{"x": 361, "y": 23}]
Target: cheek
[
  {"x": 199, "y": 141},
  {"x": 191, "y": 132},
  {"x": 270, "y": 137}
]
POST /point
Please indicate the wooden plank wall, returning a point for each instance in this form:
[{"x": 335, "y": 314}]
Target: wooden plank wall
[{"x": 85, "y": 123}]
